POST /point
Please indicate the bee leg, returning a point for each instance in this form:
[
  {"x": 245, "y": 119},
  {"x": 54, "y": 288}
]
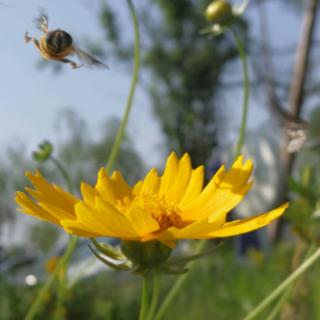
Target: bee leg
[
  {"x": 74, "y": 65},
  {"x": 27, "y": 39}
]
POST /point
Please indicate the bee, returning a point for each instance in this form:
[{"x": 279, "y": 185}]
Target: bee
[{"x": 58, "y": 45}]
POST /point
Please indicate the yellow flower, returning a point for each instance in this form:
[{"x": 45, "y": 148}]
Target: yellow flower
[{"x": 167, "y": 208}]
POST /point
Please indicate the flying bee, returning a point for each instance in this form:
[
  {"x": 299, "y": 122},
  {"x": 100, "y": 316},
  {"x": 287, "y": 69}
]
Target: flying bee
[{"x": 58, "y": 45}]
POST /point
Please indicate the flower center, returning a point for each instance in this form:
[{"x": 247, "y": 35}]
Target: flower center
[{"x": 166, "y": 213}]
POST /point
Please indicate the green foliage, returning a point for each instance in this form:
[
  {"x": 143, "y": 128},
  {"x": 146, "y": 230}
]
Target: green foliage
[
  {"x": 218, "y": 287},
  {"x": 304, "y": 210}
]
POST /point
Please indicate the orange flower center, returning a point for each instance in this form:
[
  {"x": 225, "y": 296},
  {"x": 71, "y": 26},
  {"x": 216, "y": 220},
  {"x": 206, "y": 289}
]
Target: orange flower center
[{"x": 167, "y": 214}]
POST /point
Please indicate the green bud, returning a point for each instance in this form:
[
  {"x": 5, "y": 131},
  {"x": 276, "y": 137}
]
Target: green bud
[
  {"x": 44, "y": 152},
  {"x": 219, "y": 12},
  {"x": 146, "y": 255}
]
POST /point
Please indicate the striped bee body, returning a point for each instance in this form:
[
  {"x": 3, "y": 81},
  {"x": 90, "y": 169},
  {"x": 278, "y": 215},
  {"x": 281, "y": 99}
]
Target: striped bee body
[
  {"x": 58, "y": 40},
  {"x": 58, "y": 45}
]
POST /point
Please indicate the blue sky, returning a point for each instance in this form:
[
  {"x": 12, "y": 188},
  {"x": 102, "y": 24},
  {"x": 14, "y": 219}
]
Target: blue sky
[{"x": 30, "y": 99}]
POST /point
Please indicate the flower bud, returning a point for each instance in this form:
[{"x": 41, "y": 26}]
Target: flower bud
[
  {"x": 219, "y": 12},
  {"x": 44, "y": 152}
]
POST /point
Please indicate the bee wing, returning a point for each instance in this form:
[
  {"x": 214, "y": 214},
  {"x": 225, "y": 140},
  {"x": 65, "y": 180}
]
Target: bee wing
[
  {"x": 42, "y": 21},
  {"x": 88, "y": 59}
]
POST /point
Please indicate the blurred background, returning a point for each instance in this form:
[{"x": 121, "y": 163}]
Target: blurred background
[{"x": 189, "y": 99}]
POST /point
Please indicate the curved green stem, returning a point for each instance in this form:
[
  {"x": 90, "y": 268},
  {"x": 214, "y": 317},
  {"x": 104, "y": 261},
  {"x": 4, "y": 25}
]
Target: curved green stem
[
  {"x": 36, "y": 305},
  {"x": 154, "y": 296},
  {"x": 176, "y": 286},
  {"x": 246, "y": 93},
  {"x": 63, "y": 172},
  {"x": 144, "y": 298},
  {"x": 287, "y": 282},
  {"x": 134, "y": 80}
]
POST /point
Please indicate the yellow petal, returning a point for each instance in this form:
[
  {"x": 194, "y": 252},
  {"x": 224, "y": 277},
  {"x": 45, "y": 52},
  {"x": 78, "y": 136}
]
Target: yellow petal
[
  {"x": 88, "y": 217},
  {"x": 104, "y": 220},
  {"x": 105, "y": 188},
  {"x": 88, "y": 194},
  {"x": 113, "y": 220},
  {"x": 246, "y": 225},
  {"x": 181, "y": 180},
  {"x": 142, "y": 222},
  {"x": 151, "y": 183},
  {"x": 195, "y": 230},
  {"x": 51, "y": 194},
  {"x": 169, "y": 175},
  {"x": 120, "y": 185},
  {"x": 76, "y": 228},
  {"x": 136, "y": 190},
  {"x": 28, "y": 206},
  {"x": 194, "y": 187},
  {"x": 225, "y": 190}
]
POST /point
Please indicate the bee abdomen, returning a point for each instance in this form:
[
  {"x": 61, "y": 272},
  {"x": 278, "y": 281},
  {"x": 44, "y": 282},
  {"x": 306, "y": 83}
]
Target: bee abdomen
[{"x": 58, "y": 40}]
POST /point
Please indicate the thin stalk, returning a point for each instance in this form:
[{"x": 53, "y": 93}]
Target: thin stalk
[
  {"x": 246, "y": 93},
  {"x": 61, "y": 288},
  {"x": 154, "y": 296},
  {"x": 287, "y": 293},
  {"x": 36, "y": 305},
  {"x": 134, "y": 80},
  {"x": 63, "y": 172},
  {"x": 144, "y": 298},
  {"x": 287, "y": 282},
  {"x": 176, "y": 286}
]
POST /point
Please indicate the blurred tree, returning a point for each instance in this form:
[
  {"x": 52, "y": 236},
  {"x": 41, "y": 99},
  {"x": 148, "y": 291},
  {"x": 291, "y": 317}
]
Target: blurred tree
[
  {"x": 11, "y": 179},
  {"x": 297, "y": 84},
  {"x": 183, "y": 70}
]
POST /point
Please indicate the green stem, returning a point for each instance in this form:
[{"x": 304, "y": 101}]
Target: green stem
[
  {"x": 59, "y": 310},
  {"x": 36, "y": 305},
  {"x": 287, "y": 293},
  {"x": 144, "y": 298},
  {"x": 134, "y": 80},
  {"x": 63, "y": 172},
  {"x": 282, "y": 300},
  {"x": 246, "y": 93},
  {"x": 287, "y": 282},
  {"x": 154, "y": 296},
  {"x": 176, "y": 286}
]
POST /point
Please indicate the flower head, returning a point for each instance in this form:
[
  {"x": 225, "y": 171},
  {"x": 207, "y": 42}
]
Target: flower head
[
  {"x": 221, "y": 14},
  {"x": 160, "y": 208}
]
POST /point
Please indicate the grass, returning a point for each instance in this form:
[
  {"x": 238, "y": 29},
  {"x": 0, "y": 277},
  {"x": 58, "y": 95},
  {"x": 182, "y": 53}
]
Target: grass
[{"x": 220, "y": 287}]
